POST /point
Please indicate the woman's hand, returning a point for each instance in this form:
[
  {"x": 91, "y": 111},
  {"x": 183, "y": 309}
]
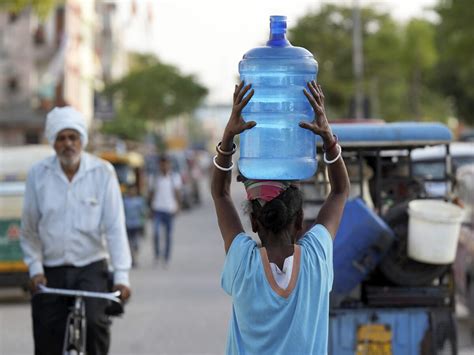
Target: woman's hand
[
  {"x": 319, "y": 125},
  {"x": 236, "y": 124}
]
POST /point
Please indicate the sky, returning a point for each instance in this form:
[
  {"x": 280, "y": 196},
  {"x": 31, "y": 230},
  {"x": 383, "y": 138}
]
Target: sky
[{"x": 207, "y": 38}]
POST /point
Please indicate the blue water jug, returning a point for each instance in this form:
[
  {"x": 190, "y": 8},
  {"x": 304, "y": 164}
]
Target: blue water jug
[{"x": 278, "y": 148}]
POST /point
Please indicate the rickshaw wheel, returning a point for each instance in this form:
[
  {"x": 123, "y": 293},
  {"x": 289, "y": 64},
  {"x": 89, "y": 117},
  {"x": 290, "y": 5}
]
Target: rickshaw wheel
[{"x": 396, "y": 266}]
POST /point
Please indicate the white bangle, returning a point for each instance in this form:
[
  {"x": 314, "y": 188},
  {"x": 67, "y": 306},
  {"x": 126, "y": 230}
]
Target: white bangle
[
  {"x": 223, "y": 152},
  {"x": 329, "y": 162},
  {"x": 220, "y": 167}
]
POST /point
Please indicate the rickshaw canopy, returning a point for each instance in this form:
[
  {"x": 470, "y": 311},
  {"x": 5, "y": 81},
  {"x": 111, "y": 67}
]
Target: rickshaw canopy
[
  {"x": 132, "y": 159},
  {"x": 394, "y": 134}
]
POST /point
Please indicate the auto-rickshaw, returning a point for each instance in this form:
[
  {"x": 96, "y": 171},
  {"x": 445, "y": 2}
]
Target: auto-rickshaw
[
  {"x": 14, "y": 165},
  {"x": 130, "y": 169},
  {"x": 383, "y": 301}
]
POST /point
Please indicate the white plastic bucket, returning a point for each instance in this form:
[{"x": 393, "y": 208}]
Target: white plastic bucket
[{"x": 433, "y": 231}]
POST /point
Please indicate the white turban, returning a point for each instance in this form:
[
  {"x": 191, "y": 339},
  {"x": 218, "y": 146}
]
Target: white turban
[{"x": 60, "y": 118}]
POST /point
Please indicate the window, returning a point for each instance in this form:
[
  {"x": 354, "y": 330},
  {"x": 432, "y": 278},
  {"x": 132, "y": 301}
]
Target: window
[
  {"x": 429, "y": 169},
  {"x": 32, "y": 138}
]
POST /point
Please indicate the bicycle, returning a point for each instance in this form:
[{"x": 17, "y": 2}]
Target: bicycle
[{"x": 75, "y": 332}]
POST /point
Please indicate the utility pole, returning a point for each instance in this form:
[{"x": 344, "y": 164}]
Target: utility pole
[{"x": 357, "y": 60}]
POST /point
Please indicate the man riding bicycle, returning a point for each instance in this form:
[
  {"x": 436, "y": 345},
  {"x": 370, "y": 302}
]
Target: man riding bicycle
[{"x": 73, "y": 221}]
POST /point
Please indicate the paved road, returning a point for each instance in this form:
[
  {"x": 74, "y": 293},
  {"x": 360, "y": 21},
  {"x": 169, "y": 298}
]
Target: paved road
[{"x": 180, "y": 310}]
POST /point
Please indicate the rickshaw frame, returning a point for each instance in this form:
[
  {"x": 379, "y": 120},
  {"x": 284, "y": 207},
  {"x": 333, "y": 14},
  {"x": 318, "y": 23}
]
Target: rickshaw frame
[{"x": 382, "y": 154}]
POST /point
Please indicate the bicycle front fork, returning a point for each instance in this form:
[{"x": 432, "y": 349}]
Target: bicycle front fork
[{"x": 75, "y": 337}]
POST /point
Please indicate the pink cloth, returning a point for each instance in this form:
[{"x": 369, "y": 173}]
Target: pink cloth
[{"x": 265, "y": 190}]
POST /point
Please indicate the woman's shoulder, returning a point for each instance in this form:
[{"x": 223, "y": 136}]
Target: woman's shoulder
[
  {"x": 317, "y": 238},
  {"x": 318, "y": 230},
  {"x": 242, "y": 241}
]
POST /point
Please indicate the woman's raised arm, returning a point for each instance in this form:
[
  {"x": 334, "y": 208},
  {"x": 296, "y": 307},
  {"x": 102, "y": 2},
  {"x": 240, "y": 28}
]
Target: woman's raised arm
[
  {"x": 227, "y": 216},
  {"x": 331, "y": 212}
]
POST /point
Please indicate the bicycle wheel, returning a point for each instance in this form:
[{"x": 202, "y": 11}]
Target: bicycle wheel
[{"x": 75, "y": 337}]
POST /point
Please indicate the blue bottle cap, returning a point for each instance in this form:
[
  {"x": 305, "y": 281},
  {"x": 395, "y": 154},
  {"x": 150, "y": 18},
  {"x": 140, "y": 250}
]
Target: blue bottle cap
[
  {"x": 277, "y": 25},
  {"x": 278, "y": 32}
]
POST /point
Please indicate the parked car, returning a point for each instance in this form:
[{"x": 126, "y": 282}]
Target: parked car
[
  {"x": 467, "y": 136},
  {"x": 429, "y": 164}
]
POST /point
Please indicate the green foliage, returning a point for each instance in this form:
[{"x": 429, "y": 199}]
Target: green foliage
[
  {"x": 420, "y": 50},
  {"x": 40, "y": 7},
  {"x": 419, "y": 58},
  {"x": 393, "y": 57},
  {"x": 455, "y": 41},
  {"x": 153, "y": 92},
  {"x": 124, "y": 127},
  {"x": 327, "y": 35}
]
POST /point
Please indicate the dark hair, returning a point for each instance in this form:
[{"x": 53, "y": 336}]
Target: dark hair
[
  {"x": 164, "y": 158},
  {"x": 277, "y": 214}
]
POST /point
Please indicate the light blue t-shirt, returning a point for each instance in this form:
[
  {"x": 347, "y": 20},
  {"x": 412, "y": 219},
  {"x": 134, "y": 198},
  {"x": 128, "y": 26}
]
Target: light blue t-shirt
[{"x": 269, "y": 320}]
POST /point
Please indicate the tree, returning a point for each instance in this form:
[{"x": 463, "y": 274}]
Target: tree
[
  {"x": 41, "y": 7},
  {"x": 152, "y": 92},
  {"x": 124, "y": 127},
  {"x": 389, "y": 65},
  {"x": 455, "y": 41},
  {"x": 419, "y": 58},
  {"x": 327, "y": 35}
]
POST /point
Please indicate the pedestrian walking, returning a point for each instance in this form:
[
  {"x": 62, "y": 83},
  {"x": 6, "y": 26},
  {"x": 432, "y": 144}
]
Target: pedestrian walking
[
  {"x": 165, "y": 204},
  {"x": 135, "y": 212},
  {"x": 72, "y": 223},
  {"x": 280, "y": 292}
]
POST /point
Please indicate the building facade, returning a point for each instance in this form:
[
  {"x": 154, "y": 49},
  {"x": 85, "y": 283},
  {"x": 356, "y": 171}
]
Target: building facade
[{"x": 61, "y": 60}]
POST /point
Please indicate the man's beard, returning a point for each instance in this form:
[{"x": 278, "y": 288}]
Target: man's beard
[{"x": 70, "y": 161}]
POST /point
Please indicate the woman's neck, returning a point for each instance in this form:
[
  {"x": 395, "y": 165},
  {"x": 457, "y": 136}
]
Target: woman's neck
[
  {"x": 278, "y": 246},
  {"x": 276, "y": 240}
]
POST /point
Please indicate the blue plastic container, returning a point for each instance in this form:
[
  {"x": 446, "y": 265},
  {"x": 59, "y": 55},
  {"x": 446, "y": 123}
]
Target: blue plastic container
[
  {"x": 277, "y": 148},
  {"x": 361, "y": 241},
  {"x": 407, "y": 328}
]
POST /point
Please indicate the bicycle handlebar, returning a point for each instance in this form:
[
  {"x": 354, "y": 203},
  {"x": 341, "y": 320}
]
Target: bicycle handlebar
[{"x": 111, "y": 296}]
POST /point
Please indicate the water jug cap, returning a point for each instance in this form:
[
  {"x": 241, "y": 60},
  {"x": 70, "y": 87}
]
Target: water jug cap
[
  {"x": 277, "y": 24},
  {"x": 278, "y": 32}
]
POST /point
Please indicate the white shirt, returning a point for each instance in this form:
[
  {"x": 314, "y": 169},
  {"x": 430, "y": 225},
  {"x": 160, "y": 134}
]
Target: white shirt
[
  {"x": 74, "y": 222},
  {"x": 282, "y": 277},
  {"x": 164, "y": 197}
]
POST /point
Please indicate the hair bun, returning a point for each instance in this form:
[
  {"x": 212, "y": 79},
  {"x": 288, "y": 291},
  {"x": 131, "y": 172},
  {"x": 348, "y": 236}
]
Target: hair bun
[{"x": 274, "y": 215}]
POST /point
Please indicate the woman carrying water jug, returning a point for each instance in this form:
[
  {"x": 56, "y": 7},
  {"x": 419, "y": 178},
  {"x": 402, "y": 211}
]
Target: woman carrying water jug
[{"x": 280, "y": 292}]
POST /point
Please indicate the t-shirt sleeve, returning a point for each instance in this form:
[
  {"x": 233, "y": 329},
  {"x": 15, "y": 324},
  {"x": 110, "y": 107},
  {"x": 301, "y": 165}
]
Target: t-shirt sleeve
[
  {"x": 239, "y": 251},
  {"x": 319, "y": 244}
]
